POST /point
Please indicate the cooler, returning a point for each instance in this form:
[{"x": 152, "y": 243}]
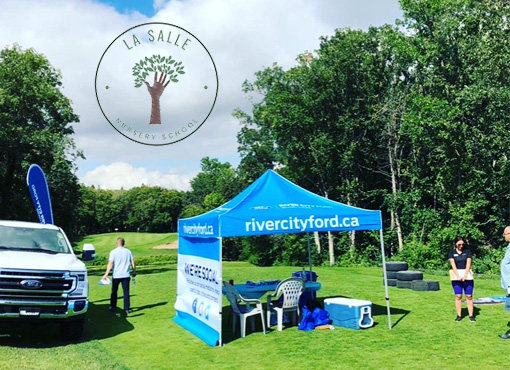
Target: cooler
[
  {"x": 349, "y": 313},
  {"x": 89, "y": 252}
]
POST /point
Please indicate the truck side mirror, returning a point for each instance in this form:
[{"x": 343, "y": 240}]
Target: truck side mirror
[{"x": 89, "y": 252}]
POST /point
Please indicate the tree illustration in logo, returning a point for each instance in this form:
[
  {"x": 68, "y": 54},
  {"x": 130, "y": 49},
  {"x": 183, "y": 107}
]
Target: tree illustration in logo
[{"x": 168, "y": 68}]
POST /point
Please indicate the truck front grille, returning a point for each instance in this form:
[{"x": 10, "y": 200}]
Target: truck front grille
[{"x": 35, "y": 284}]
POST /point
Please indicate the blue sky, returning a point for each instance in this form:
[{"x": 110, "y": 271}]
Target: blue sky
[
  {"x": 242, "y": 36},
  {"x": 145, "y": 7}
]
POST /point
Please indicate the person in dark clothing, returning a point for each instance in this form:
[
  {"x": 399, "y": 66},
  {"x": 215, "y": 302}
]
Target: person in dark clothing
[
  {"x": 121, "y": 261},
  {"x": 461, "y": 277}
]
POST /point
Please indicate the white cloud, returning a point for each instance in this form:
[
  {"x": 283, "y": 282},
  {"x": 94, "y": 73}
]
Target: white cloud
[
  {"x": 242, "y": 37},
  {"x": 123, "y": 175}
]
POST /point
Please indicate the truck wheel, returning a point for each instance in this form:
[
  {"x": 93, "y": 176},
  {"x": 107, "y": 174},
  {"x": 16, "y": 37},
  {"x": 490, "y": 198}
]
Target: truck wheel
[
  {"x": 409, "y": 275},
  {"x": 391, "y": 282},
  {"x": 72, "y": 330},
  {"x": 391, "y": 274},
  {"x": 402, "y": 284},
  {"x": 425, "y": 285},
  {"x": 396, "y": 266}
]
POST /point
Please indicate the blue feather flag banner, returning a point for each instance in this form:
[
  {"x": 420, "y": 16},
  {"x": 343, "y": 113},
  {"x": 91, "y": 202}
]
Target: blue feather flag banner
[{"x": 40, "y": 193}]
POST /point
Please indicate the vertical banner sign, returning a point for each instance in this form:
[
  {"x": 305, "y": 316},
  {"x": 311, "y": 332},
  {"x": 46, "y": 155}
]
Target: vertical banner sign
[
  {"x": 40, "y": 193},
  {"x": 199, "y": 285}
]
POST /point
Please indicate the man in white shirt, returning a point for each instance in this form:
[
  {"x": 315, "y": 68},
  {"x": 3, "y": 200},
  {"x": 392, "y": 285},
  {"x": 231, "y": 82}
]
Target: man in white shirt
[{"x": 120, "y": 260}]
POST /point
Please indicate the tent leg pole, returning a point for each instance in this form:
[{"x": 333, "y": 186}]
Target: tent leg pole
[
  {"x": 309, "y": 253},
  {"x": 387, "y": 296},
  {"x": 220, "y": 278}
]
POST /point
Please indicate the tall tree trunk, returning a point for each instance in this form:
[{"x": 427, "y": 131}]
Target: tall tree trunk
[
  {"x": 352, "y": 234},
  {"x": 352, "y": 247},
  {"x": 331, "y": 245},
  {"x": 317, "y": 241},
  {"x": 392, "y": 155},
  {"x": 331, "y": 249}
]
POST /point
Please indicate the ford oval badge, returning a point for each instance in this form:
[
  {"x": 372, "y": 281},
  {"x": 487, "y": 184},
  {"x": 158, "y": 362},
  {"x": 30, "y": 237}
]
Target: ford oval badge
[{"x": 31, "y": 284}]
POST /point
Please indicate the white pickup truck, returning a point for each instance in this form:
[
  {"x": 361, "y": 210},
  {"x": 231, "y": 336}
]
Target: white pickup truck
[{"x": 41, "y": 279}]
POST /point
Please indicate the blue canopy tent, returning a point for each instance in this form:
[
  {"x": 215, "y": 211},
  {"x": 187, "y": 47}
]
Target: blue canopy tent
[{"x": 270, "y": 205}]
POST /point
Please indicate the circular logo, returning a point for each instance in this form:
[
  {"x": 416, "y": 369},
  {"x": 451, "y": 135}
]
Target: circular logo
[
  {"x": 156, "y": 83},
  {"x": 31, "y": 284}
]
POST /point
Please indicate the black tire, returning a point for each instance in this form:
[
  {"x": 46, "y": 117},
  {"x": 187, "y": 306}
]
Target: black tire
[
  {"x": 403, "y": 284},
  {"x": 425, "y": 285},
  {"x": 391, "y": 274},
  {"x": 391, "y": 282},
  {"x": 409, "y": 275},
  {"x": 396, "y": 266},
  {"x": 72, "y": 330}
]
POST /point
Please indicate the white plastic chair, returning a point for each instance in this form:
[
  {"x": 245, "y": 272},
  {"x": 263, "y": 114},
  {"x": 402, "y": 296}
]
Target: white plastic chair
[
  {"x": 243, "y": 310},
  {"x": 291, "y": 290}
]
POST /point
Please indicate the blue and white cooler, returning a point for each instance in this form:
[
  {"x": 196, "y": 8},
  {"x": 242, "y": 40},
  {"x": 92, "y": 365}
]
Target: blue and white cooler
[{"x": 349, "y": 313}]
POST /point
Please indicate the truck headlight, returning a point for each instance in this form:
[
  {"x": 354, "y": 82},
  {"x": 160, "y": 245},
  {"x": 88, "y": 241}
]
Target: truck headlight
[{"x": 82, "y": 286}]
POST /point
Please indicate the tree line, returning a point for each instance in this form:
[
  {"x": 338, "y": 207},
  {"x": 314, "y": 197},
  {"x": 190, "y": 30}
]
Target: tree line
[{"x": 410, "y": 118}]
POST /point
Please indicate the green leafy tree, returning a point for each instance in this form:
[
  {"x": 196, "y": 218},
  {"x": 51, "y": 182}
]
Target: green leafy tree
[
  {"x": 215, "y": 178},
  {"x": 460, "y": 97},
  {"x": 168, "y": 68},
  {"x": 256, "y": 147},
  {"x": 145, "y": 209},
  {"x": 319, "y": 118},
  {"x": 99, "y": 211},
  {"x": 150, "y": 209},
  {"x": 35, "y": 127}
]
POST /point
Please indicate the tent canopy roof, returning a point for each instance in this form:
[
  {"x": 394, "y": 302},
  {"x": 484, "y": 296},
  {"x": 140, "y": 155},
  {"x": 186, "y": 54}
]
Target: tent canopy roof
[{"x": 274, "y": 205}]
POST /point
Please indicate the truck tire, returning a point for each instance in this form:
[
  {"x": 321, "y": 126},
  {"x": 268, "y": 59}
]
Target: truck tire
[
  {"x": 391, "y": 282},
  {"x": 409, "y": 275},
  {"x": 404, "y": 284},
  {"x": 72, "y": 330},
  {"x": 425, "y": 285},
  {"x": 391, "y": 274},
  {"x": 396, "y": 266}
]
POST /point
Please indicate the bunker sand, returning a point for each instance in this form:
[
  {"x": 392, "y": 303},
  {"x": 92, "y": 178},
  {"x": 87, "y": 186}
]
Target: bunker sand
[{"x": 173, "y": 245}]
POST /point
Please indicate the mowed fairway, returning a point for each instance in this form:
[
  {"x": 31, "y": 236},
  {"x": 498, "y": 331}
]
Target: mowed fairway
[{"x": 424, "y": 335}]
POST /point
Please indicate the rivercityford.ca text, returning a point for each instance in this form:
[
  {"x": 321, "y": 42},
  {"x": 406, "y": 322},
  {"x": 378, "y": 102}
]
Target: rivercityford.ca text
[{"x": 296, "y": 223}]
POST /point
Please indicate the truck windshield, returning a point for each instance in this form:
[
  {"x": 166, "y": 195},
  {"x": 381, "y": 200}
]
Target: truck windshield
[{"x": 32, "y": 240}]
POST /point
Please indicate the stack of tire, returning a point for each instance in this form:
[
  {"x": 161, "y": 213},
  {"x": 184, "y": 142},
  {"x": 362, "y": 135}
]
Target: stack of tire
[{"x": 399, "y": 276}]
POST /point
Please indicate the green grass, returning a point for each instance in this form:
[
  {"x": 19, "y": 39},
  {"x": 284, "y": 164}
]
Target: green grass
[
  {"x": 424, "y": 335},
  {"x": 141, "y": 244}
]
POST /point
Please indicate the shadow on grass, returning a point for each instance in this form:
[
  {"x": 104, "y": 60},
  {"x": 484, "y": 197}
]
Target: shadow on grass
[
  {"x": 229, "y": 336},
  {"x": 100, "y": 324},
  {"x": 476, "y": 311},
  {"x": 135, "y": 311},
  {"x": 30, "y": 335}
]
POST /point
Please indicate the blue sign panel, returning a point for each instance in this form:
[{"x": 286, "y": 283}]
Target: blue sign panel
[{"x": 40, "y": 193}]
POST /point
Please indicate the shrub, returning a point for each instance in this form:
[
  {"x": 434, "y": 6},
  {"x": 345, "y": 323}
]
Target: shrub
[
  {"x": 488, "y": 260},
  {"x": 422, "y": 256}
]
